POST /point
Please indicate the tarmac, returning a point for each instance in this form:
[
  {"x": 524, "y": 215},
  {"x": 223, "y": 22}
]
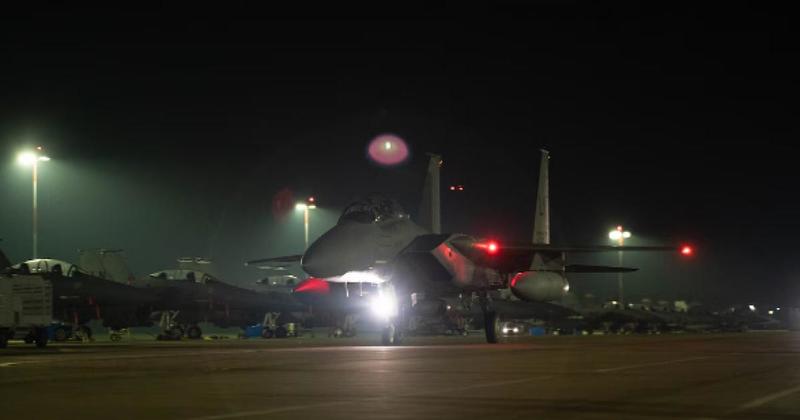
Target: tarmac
[{"x": 696, "y": 376}]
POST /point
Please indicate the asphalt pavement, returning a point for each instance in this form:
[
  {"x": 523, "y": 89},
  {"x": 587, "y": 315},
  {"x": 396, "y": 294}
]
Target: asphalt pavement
[{"x": 746, "y": 375}]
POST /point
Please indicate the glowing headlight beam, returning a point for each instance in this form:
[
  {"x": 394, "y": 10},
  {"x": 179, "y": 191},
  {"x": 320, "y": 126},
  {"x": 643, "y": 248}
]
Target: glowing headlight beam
[{"x": 384, "y": 306}]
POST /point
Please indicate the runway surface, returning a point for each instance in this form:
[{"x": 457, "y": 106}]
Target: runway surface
[{"x": 750, "y": 375}]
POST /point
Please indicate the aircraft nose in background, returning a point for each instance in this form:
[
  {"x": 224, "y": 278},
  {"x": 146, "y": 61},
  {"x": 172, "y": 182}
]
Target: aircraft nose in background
[{"x": 346, "y": 247}]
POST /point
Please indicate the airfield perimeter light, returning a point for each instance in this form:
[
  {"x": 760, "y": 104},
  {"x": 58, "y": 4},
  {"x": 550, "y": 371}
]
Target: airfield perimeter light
[
  {"x": 32, "y": 158},
  {"x": 310, "y": 204},
  {"x": 752, "y": 307},
  {"x": 620, "y": 235},
  {"x": 26, "y": 158}
]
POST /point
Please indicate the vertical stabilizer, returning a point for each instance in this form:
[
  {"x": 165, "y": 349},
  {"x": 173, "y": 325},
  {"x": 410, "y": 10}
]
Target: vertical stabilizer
[
  {"x": 430, "y": 210},
  {"x": 541, "y": 221},
  {"x": 4, "y": 261}
]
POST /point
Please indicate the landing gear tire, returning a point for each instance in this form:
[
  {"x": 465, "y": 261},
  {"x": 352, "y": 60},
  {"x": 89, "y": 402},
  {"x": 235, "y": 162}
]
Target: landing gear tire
[
  {"x": 491, "y": 323},
  {"x": 194, "y": 332},
  {"x": 60, "y": 334},
  {"x": 281, "y": 332},
  {"x": 267, "y": 332},
  {"x": 175, "y": 333},
  {"x": 41, "y": 338},
  {"x": 390, "y": 336},
  {"x": 85, "y": 333}
]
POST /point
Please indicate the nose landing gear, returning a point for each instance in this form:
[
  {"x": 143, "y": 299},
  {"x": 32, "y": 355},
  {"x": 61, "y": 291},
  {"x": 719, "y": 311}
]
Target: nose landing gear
[{"x": 390, "y": 335}]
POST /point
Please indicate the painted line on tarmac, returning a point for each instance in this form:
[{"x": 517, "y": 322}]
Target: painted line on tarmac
[
  {"x": 758, "y": 402},
  {"x": 75, "y": 357},
  {"x": 641, "y": 365},
  {"x": 174, "y": 351},
  {"x": 271, "y": 411},
  {"x": 253, "y": 413}
]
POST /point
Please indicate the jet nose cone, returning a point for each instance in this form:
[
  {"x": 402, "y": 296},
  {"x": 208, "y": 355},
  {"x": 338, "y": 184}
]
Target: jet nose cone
[{"x": 344, "y": 248}]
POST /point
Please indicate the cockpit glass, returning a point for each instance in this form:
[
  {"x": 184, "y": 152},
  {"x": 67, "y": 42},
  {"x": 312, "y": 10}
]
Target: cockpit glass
[{"x": 373, "y": 209}]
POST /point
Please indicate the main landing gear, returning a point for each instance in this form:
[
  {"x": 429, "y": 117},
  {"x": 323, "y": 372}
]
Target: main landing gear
[{"x": 491, "y": 320}]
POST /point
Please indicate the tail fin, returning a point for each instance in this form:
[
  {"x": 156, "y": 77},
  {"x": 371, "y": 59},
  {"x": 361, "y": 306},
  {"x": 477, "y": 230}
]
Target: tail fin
[
  {"x": 544, "y": 260},
  {"x": 541, "y": 221},
  {"x": 106, "y": 264},
  {"x": 429, "y": 213},
  {"x": 4, "y": 261}
]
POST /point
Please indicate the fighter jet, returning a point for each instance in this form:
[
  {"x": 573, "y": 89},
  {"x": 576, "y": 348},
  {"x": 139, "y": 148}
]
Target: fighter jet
[
  {"x": 190, "y": 294},
  {"x": 79, "y": 297},
  {"x": 375, "y": 241}
]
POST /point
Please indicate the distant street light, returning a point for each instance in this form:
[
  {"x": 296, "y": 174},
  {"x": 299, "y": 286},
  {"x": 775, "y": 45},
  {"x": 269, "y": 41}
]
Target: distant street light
[
  {"x": 32, "y": 158},
  {"x": 619, "y": 235},
  {"x": 311, "y": 203}
]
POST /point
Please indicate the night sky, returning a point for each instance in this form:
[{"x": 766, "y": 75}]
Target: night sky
[{"x": 172, "y": 130}]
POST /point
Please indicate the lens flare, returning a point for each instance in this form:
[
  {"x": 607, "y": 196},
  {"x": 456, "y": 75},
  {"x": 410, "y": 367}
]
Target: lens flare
[{"x": 388, "y": 149}]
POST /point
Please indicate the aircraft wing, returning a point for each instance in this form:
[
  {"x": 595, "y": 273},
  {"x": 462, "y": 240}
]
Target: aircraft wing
[
  {"x": 531, "y": 248},
  {"x": 580, "y": 268},
  {"x": 511, "y": 258},
  {"x": 287, "y": 259}
]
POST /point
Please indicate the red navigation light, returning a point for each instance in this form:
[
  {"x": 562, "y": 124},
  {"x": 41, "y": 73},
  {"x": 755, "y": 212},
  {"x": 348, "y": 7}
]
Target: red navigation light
[
  {"x": 311, "y": 199},
  {"x": 313, "y": 285},
  {"x": 686, "y": 250},
  {"x": 491, "y": 247}
]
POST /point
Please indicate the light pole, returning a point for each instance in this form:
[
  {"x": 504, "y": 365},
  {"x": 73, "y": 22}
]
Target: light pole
[
  {"x": 305, "y": 207},
  {"x": 32, "y": 158},
  {"x": 620, "y": 236}
]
